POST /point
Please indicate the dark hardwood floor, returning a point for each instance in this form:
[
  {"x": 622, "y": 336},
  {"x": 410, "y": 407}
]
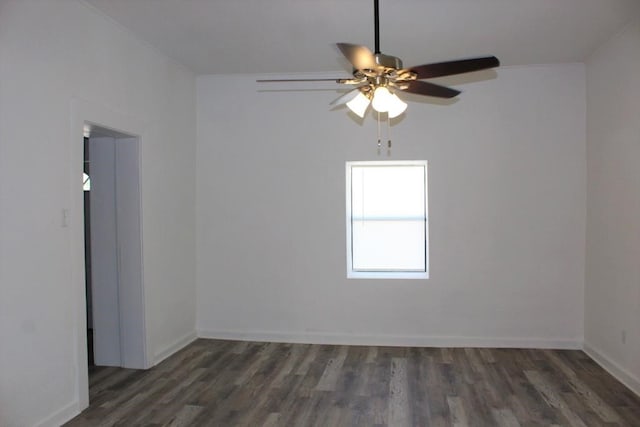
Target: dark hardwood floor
[{"x": 229, "y": 383}]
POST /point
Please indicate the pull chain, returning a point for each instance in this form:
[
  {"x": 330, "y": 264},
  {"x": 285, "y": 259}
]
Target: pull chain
[
  {"x": 379, "y": 138},
  {"x": 388, "y": 136}
]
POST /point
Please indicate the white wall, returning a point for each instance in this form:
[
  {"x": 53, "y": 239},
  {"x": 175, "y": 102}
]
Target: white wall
[
  {"x": 612, "y": 294},
  {"x": 507, "y": 180},
  {"x": 52, "y": 52}
]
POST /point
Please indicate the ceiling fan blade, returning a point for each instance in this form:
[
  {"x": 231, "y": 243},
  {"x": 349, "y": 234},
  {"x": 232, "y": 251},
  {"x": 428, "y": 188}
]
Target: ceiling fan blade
[
  {"x": 448, "y": 68},
  {"x": 430, "y": 89},
  {"x": 359, "y": 56}
]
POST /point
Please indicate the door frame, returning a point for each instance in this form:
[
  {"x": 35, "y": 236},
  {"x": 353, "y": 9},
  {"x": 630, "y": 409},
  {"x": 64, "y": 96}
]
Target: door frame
[{"x": 87, "y": 113}]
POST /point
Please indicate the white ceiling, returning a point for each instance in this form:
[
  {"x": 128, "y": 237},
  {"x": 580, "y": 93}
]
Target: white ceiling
[{"x": 290, "y": 36}]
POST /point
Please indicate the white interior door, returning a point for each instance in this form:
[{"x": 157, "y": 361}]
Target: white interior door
[
  {"x": 116, "y": 253},
  {"x": 129, "y": 237},
  {"x": 104, "y": 253}
]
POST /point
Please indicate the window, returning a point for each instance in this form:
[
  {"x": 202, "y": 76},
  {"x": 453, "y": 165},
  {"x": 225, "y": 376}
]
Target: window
[{"x": 387, "y": 233}]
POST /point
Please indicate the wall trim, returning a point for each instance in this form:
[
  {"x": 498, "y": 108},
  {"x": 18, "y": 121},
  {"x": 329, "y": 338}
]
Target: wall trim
[
  {"x": 61, "y": 416},
  {"x": 392, "y": 340},
  {"x": 178, "y": 345},
  {"x": 614, "y": 368}
]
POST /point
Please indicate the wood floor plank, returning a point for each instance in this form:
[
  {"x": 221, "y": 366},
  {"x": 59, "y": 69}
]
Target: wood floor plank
[
  {"x": 309, "y": 357},
  {"x": 332, "y": 371},
  {"x": 372, "y": 354},
  {"x": 291, "y": 359},
  {"x": 230, "y": 383},
  {"x": 185, "y": 416},
  {"x": 399, "y": 412},
  {"x": 271, "y": 420},
  {"x": 590, "y": 398},
  {"x": 505, "y": 418},
  {"x": 445, "y": 353},
  {"x": 457, "y": 411},
  {"x": 553, "y": 398}
]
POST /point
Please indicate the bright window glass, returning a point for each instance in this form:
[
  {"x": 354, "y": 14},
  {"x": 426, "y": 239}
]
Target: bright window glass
[{"x": 387, "y": 219}]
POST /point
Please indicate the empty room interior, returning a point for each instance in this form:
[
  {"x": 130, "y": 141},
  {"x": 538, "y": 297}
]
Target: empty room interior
[{"x": 200, "y": 225}]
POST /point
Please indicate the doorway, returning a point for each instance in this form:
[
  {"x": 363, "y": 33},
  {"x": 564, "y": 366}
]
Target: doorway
[
  {"x": 86, "y": 188},
  {"x": 113, "y": 249}
]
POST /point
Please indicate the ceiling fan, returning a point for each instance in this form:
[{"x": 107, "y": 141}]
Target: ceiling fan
[{"x": 378, "y": 76}]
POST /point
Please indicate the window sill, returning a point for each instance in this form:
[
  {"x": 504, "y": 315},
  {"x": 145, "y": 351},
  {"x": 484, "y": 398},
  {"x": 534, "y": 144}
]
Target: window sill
[{"x": 387, "y": 275}]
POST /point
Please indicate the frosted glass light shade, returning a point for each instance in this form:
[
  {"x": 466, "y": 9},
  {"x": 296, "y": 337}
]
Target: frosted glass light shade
[
  {"x": 387, "y": 102},
  {"x": 397, "y": 107},
  {"x": 359, "y": 104},
  {"x": 381, "y": 99}
]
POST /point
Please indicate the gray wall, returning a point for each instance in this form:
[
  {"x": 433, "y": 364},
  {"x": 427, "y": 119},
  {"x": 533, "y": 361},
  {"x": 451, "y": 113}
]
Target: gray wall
[
  {"x": 507, "y": 214},
  {"x": 612, "y": 293}
]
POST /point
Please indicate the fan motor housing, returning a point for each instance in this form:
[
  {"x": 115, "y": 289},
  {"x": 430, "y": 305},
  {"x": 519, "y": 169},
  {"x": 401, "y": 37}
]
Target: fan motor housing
[
  {"x": 388, "y": 61},
  {"x": 385, "y": 64}
]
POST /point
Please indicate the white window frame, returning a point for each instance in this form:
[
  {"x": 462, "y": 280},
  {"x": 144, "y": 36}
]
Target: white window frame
[{"x": 357, "y": 274}]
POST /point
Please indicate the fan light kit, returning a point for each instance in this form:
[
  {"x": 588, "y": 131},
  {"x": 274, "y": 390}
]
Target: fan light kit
[{"x": 379, "y": 76}]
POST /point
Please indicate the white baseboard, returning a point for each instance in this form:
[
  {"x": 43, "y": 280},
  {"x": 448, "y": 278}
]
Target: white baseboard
[
  {"x": 392, "y": 340},
  {"x": 178, "y": 345},
  {"x": 61, "y": 416},
  {"x": 621, "y": 374}
]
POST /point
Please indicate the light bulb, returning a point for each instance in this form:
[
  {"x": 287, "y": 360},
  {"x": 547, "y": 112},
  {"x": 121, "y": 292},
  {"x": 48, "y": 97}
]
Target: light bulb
[
  {"x": 359, "y": 104},
  {"x": 396, "y": 107},
  {"x": 381, "y": 99}
]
